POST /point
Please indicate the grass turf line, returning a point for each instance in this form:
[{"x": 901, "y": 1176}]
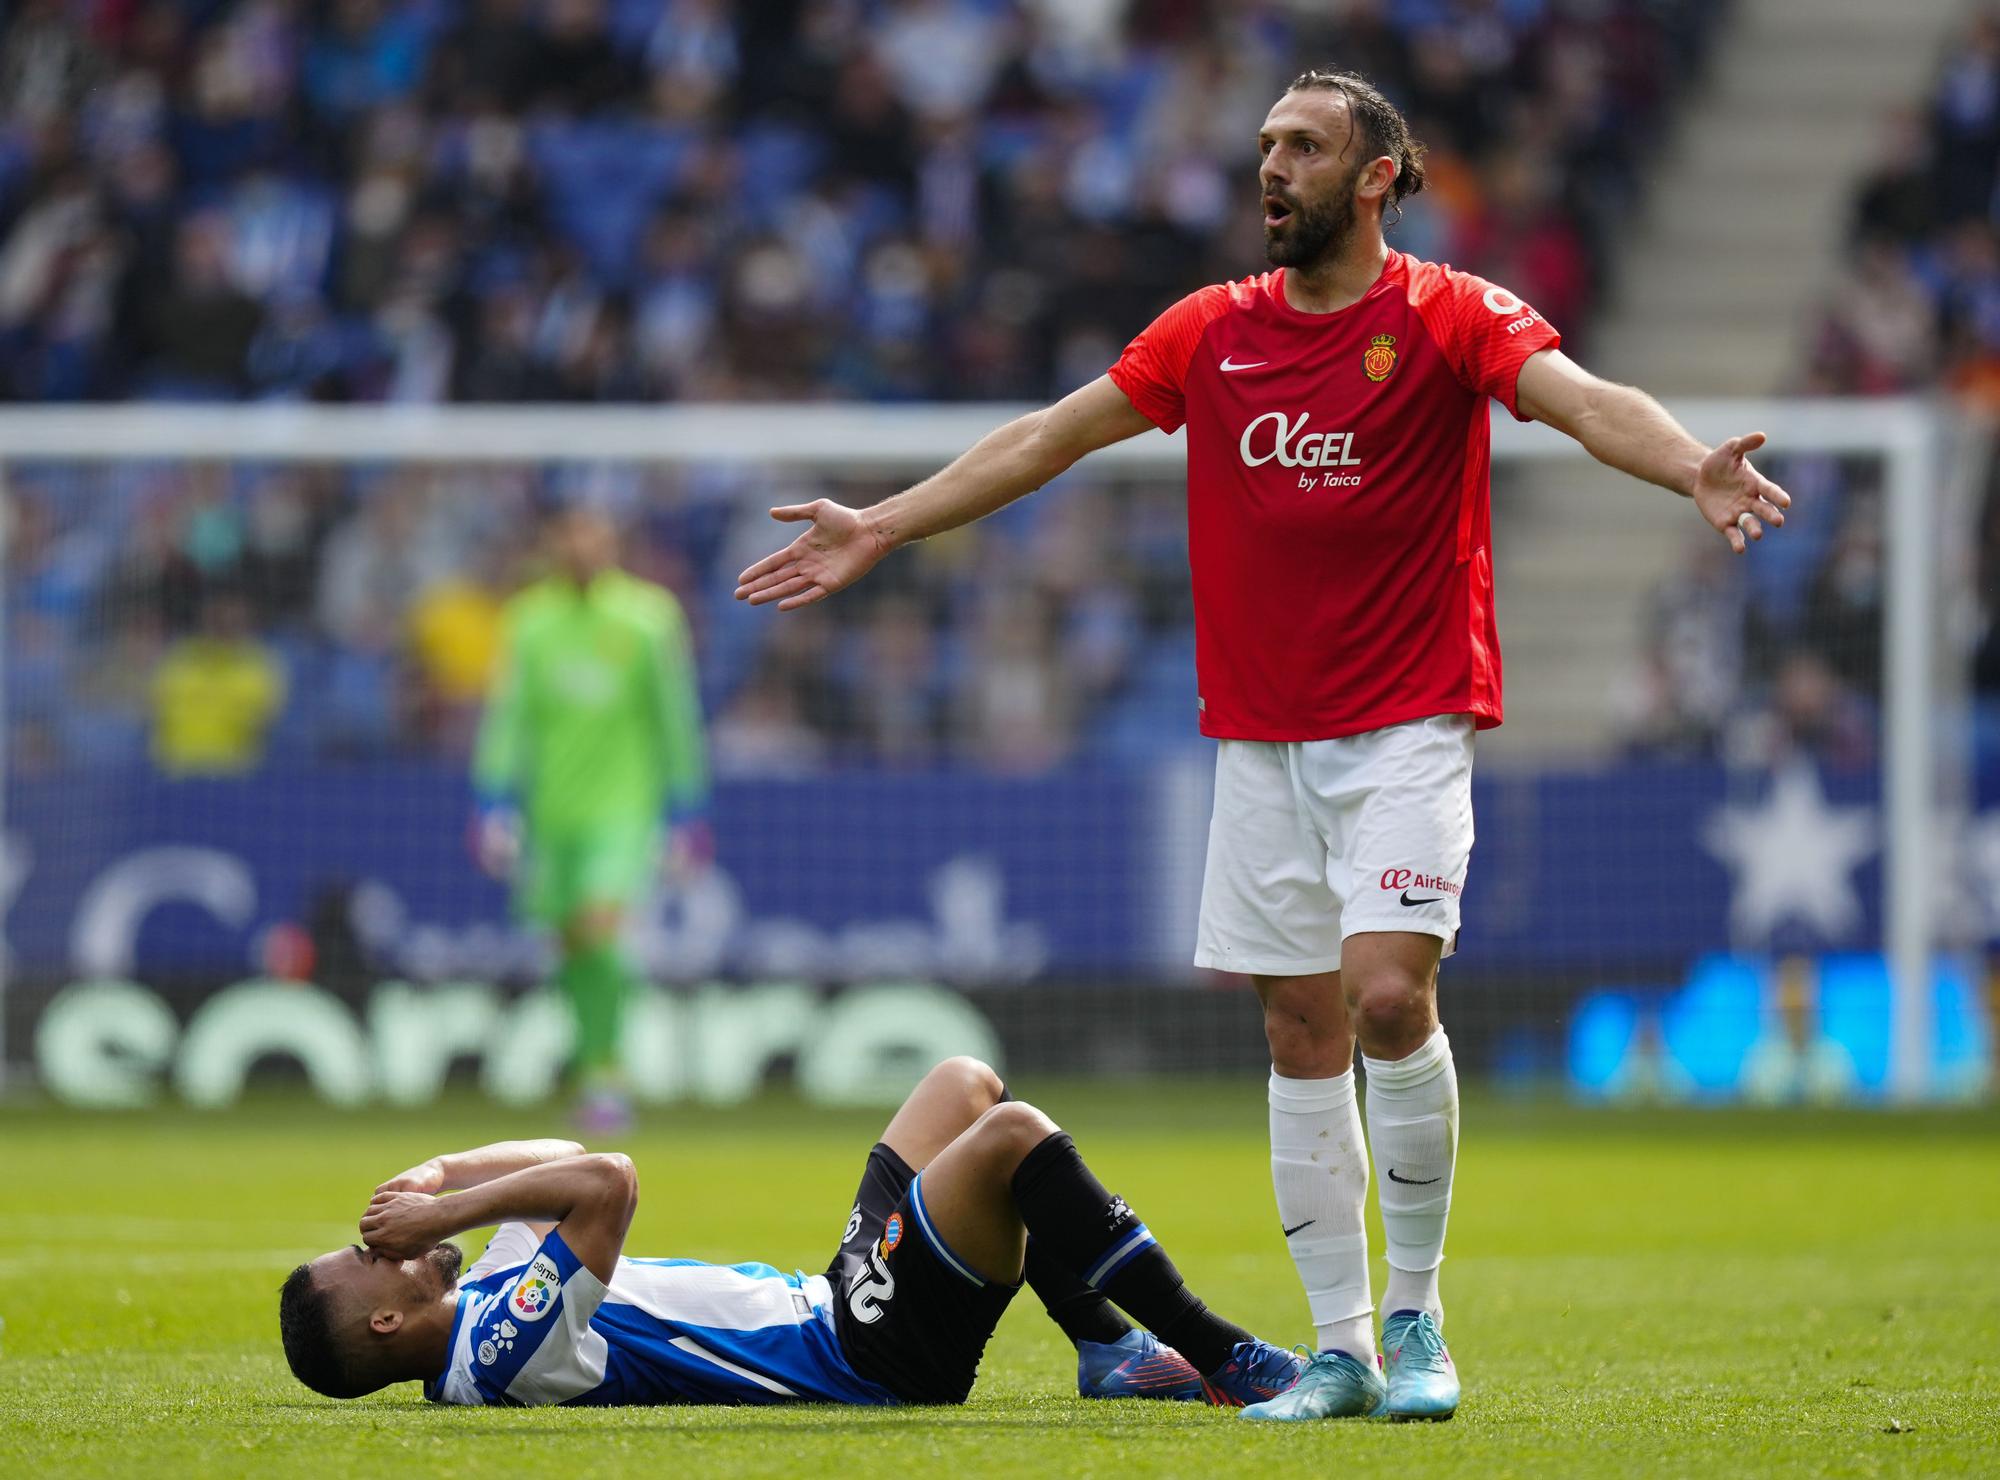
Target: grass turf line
[{"x": 1713, "y": 1293}]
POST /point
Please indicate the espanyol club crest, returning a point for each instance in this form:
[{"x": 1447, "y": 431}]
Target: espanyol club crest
[
  {"x": 536, "y": 1293},
  {"x": 1380, "y": 357},
  {"x": 892, "y": 1233}
]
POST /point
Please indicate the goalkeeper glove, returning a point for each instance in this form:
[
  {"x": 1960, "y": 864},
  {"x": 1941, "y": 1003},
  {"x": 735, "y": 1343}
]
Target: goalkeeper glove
[
  {"x": 496, "y": 838},
  {"x": 690, "y": 850}
]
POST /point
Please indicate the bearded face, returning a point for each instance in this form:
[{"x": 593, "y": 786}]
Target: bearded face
[
  {"x": 444, "y": 1261},
  {"x": 1300, "y": 231}
]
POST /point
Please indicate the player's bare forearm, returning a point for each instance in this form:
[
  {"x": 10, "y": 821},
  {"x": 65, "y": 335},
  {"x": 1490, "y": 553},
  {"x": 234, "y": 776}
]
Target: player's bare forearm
[
  {"x": 457, "y": 1170},
  {"x": 1619, "y": 425},
  {"x": 590, "y": 1196},
  {"x": 1009, "y": 462},
  {"x": 552, "y": 1190},
  {"x": 1624, "y": 428},
  {"x": 842, "y": 544}
]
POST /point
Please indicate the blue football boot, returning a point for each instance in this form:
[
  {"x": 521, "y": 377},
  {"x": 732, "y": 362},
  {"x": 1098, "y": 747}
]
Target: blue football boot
[
  {"x": 1255, "y": 1371},
  {"x": 1333, "y": 1385},
  {"x": 1422, "y": 1381},
  {"x": 1136, "y": 1365}
]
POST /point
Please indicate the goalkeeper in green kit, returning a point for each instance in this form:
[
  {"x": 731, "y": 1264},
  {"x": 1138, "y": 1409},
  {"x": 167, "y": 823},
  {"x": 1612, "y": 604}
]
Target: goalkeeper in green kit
[{"x": 590, "y": 746}]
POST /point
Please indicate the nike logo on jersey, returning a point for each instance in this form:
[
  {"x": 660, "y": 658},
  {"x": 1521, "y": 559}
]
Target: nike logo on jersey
[
  {"x": 1413, "y": 1181},
  {"x": 1432, "y": 899},
  {"x": 1297, "y": 1226},
  {"x": 1229, "y": 364}
]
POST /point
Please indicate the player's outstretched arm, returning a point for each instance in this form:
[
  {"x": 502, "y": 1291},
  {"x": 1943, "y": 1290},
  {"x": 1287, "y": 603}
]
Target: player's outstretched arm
[
  {"x": 843, "y": 544},
  {"x": 455, "y": 1171},
  {"x": 590, "y": 1199},
  {"x": 1624, "y": 428}
]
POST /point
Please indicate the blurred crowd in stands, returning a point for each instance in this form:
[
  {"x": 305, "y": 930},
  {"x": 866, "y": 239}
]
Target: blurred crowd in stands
[
  {"x": 1918, "y": 301},
  {"x": 1785, "y": 656},
  {"x": 213, "y": 618},
  {"x": 586, "y": 200},
  {"x": 495, "y": 200},
  {"x": 1757, "y": 662}
]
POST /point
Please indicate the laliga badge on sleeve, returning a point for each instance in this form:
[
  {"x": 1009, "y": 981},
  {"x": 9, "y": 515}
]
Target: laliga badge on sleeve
[{"x": 536, "y": 1294}]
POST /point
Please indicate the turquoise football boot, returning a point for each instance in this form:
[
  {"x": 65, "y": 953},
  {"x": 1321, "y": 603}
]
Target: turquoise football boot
[
  {"x": 1334, "y": 1385},
  {"x": 1423, "y": 1384}
]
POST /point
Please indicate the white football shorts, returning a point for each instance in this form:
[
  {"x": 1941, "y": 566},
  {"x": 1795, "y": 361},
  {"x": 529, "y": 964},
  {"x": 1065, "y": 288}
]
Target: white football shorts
[{"x": 1316, "y": 840}]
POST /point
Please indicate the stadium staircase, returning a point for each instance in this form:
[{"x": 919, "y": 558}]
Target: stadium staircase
[{"x": 1758, "y": 174}]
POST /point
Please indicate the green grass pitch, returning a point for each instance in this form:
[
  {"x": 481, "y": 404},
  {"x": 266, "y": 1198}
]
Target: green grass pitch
[{"x": 1695, "y": 1293}]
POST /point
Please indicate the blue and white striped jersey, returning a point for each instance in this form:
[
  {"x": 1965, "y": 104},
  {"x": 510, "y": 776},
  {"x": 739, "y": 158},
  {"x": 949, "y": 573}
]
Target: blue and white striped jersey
[{"x": 535, "y": 1327}]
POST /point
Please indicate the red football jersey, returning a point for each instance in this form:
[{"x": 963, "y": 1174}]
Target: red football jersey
[{"x": 1339, "y": 503}]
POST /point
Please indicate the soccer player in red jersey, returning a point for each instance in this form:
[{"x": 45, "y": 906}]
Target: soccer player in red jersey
[{"x": 1338, "y": 533}]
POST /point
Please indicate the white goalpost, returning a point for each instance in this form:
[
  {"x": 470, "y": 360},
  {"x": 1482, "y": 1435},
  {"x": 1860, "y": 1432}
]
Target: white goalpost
[{"x": 1925, "y": 521}]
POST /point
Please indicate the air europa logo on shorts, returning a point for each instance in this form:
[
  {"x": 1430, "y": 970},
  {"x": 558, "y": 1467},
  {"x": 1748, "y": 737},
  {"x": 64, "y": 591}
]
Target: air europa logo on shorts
[
  {"x": 1402, "y": 878},
  {"x": 1310, "y": 450}
]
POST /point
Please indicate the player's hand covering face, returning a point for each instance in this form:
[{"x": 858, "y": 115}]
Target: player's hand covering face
[
  {"x": 1734, "y": 497},
  {"x": 402, "y": 1225},
  {"x": 379, "y": 1279}
]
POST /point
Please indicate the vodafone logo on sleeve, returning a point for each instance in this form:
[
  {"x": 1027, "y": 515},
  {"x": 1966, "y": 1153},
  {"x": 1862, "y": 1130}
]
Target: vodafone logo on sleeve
[{"x": 1500, "y": 303}]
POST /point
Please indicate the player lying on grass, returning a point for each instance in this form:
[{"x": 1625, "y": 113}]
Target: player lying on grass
[{"x": 967, "y": 1193}]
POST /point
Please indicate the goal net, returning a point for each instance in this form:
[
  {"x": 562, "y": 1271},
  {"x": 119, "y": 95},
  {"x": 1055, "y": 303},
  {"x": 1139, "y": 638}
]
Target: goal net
[{"x": 1729, "y": 841}]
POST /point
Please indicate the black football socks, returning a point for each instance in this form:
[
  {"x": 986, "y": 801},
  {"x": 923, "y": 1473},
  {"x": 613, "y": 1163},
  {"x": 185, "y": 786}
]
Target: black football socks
[
  {"x": 1082, "y": 1313},
  {"x": 1085, "y": 1229}
]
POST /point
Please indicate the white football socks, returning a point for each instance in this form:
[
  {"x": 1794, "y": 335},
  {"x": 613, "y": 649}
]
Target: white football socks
[
  {"x": 1413, "y": 1131},
  {"x": 1319, "y": 1168}
]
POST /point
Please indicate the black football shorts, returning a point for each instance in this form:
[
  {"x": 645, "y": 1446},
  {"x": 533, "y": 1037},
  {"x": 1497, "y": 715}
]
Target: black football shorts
[{"x": 911, "y": 1315}]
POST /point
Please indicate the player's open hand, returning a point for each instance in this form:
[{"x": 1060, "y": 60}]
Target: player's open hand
[
  {"x": 425, "y": 1176},
  {"x": 1736, "y": 499},
  {"x": 838, "y": 550},
  {"x": 401, "y": 1224}
]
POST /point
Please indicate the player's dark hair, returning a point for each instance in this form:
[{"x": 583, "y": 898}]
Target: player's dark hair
[
  {"x": 306, "y": 1323},
  {"x": 1381, "y": 127}
]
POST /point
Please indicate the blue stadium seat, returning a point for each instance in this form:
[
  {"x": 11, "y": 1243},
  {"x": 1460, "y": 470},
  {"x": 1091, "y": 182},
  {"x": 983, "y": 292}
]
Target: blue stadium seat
[
  {"x": 603, "y": 180},
  {"x": 1155, "y": 714}
]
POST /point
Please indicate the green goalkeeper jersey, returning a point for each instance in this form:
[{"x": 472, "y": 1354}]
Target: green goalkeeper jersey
[{"x": 594, "y": 717}]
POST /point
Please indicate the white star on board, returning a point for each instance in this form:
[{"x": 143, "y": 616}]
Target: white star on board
[{"x": 1793, "y": 858}]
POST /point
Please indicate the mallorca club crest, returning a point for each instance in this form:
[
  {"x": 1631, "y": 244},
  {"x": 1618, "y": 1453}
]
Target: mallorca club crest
[{"x": 1380, "y": 357}]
